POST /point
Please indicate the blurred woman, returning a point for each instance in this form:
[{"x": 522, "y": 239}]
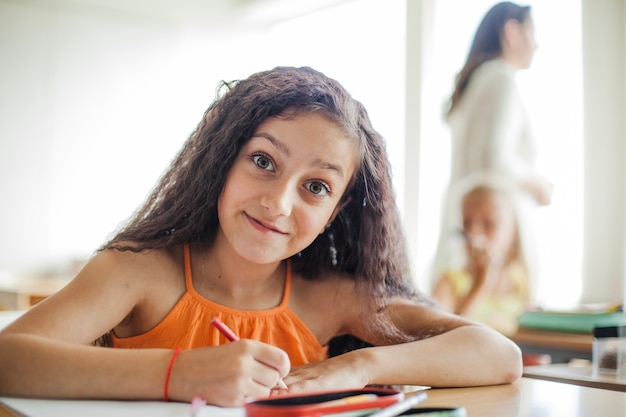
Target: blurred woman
[{"x": 490, "y": 128}]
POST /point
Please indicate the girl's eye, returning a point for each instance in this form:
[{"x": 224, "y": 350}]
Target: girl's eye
[
  {"x": 317, "y": 188},
  {"x": 263, "y": 162}
]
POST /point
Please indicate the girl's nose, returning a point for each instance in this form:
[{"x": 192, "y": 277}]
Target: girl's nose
[
  {"x": 279, "y": 199},
  {"x": 470, "y": 229}
]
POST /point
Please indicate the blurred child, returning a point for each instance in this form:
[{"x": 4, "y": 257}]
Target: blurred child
[{"x": 490, "y": 283}]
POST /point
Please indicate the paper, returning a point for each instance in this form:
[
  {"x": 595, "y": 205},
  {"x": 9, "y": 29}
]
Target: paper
[{"x": 68, "y": 408}]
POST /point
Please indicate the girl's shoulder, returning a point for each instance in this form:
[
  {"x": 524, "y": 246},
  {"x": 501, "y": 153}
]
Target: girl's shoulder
[
  {"x": 323, "y": 286},
  {"x": 141, "y": 276},
  {"x": 148, "y": 262},
  {"x": 328, "y": 304},
  {"x": 152, "y": 281},
  {"x": 339, "y": 294}
]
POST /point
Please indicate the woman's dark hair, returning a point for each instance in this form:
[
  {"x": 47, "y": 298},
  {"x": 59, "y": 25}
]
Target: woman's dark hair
[
  {"x": 366, "y": 238},
  {"x": 487, "y": 43}
]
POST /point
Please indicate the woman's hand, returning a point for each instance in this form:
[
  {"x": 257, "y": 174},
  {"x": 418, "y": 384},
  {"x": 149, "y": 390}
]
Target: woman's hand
[
  {"x": 226, "y": 375},
  {"x": 340, "y": 372},
  {"x": 540, "y": 189}
]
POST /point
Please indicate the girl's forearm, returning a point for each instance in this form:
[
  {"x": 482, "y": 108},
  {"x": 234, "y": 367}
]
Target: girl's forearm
[
  {"x": 75, "y": 371},
  {"x": 470, "y": 355}
]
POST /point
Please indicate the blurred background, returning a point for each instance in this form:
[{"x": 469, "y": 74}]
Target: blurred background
[{"x": 96, "y": 97}]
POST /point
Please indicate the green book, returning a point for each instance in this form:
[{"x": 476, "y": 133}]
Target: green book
[{"x": 572, "y": 322}]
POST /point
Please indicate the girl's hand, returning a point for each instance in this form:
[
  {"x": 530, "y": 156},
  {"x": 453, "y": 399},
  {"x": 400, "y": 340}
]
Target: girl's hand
[
  {"x": 225, "y": 375},
  {"x": 340, "y": 372},
  {"x": 480, "y": 257}
]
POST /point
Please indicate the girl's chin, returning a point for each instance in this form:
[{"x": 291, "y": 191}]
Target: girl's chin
[{"x": 261, "y": 258}]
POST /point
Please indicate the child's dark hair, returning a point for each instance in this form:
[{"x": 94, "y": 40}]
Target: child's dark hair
[{"x": 365, "y": 240}]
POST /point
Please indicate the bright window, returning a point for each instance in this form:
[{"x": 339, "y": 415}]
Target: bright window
[{"x": 552, "y": 89}]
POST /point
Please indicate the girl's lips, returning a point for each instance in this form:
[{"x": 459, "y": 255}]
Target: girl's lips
[{"x": 263, "y": 227}]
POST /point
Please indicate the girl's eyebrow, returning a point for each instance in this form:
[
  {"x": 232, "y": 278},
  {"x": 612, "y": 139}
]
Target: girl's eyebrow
[
  {"x": 277, "y": 144},
  {"x": 284, "y": 149},
  {"x": 327, "y": 165}
]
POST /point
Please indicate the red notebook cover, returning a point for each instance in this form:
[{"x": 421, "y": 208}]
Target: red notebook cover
[{"x": 318, "y": 404}]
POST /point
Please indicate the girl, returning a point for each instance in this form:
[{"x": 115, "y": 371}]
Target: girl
[
  {"x": 489, "y": 284},
  {"x": 277, "y": 217}
]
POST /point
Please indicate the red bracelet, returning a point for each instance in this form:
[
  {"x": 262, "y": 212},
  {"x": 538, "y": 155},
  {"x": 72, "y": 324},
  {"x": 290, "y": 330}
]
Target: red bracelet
[{"x": 169, "y": 372}]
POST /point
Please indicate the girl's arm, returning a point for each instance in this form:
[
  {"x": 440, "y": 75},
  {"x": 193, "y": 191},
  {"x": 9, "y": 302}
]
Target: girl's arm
[
  {"x": 443, "y": 292},
  {"x": 47, "y": 352},
  {"x": 484, "y": 271},
  {"x": 449, "y": 352}
]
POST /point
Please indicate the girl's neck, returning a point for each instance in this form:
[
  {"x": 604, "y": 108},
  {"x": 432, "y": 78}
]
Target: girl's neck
[{"x": 225, "y": 278}]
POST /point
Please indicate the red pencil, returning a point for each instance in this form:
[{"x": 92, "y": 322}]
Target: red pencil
[
  {"x": 224, "y": 329},
  {"x": 230, "y": 335}
]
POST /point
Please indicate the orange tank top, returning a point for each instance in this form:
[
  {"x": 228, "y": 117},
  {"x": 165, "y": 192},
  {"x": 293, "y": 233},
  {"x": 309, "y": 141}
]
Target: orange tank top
[{"x": 188, "y": 325}]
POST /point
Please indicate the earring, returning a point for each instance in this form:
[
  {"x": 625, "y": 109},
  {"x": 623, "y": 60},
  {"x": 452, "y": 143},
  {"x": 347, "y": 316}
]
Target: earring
[{"x": 332, "y": 249}]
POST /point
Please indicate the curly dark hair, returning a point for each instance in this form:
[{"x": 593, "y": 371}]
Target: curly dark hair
[{"x": 367, "y": 233}]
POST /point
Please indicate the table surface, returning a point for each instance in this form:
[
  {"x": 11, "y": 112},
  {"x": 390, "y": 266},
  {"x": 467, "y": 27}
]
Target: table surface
[
  {"x": 525, "y": 398},
  {"x": 531, "y": 398},
  {"x": 578, "y": 375}
]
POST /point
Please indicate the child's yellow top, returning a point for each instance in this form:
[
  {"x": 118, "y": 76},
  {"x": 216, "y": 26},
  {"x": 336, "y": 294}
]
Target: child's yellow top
[
  {"x": 188, "y": 325},
  {"x": 499, "y": 311}
]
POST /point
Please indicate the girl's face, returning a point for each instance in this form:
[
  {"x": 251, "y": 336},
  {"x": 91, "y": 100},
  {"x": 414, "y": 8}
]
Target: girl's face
[
  {"x": 488, "y": 221},
  {"x": 285, "y": 186}
]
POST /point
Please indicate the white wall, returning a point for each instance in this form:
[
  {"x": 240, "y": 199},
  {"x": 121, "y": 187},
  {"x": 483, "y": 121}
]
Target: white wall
[
  {"x": 98, "y": 95},
  {"x": 93, "y": 104},
  {"x": 604, "y": 28}
]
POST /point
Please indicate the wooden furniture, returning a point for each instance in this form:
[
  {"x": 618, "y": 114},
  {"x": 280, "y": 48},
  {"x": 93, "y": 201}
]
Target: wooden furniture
[
  {"x": 24, "y": 293},
  {"x": 561, "y": 346},
  {"x": 578, "y": 375},
  {"x": 525, "y": 398}
]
